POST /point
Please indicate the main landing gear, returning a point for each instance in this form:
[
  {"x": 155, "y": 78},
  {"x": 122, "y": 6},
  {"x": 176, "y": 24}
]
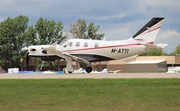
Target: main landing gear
[
  {"x": 70, "y": 68},
  {"x": 88, "y": 70},
  {"x": 69, "y": 64}
]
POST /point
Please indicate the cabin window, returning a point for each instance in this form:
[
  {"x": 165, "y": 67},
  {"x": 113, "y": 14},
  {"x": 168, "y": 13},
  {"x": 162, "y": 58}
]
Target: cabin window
[
  {"x": 96, "y": 45},
  {"x": 77, "y": 44},
  {"x": 85, "y": 44}
]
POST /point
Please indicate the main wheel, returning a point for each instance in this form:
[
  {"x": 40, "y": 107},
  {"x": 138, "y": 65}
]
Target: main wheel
[
  {"x": 69, "y": 72},
  {"x": 41, "y": 68},
  {"x": 88, "y": 69}
]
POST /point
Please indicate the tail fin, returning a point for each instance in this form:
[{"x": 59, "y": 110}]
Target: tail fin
[{"x": 149, "y": 32}]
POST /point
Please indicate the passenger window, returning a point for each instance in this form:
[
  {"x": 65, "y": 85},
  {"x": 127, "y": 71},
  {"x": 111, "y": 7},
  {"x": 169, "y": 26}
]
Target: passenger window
[
  {"x": 85, "y": 44},
  {"x": 96, "y": 45},
  {"x": 77, "y": 44}
]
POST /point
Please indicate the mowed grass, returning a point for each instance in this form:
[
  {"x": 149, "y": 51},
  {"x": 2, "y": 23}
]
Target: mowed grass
[{"x": 90, "y": 95}]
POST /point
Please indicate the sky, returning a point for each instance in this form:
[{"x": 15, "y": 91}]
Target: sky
[{"x": 118, "y": 19}]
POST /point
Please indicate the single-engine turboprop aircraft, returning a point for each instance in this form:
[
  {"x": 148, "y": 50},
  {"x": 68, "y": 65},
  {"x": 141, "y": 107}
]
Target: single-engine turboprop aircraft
[{"x": 85, "y": 50}]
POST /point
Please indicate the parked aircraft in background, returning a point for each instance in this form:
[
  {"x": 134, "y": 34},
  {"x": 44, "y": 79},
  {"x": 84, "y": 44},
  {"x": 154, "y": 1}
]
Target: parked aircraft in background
[{"x": 87, "y": 51}]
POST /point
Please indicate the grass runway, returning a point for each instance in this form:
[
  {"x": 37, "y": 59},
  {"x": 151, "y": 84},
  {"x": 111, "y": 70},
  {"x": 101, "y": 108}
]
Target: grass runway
[{"x": 90, "y": 94}]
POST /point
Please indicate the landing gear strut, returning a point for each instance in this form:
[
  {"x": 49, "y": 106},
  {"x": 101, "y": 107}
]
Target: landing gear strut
[
  {"x": 88, "y": 69},
  {"x": 69, "y": 64},
  {"x": 70, "y": 68},
  {"x": 41, "y": 67}
]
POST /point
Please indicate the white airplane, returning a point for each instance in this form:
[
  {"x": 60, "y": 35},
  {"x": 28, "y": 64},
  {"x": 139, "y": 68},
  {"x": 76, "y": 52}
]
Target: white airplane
[{"x": 87, "y": 51}]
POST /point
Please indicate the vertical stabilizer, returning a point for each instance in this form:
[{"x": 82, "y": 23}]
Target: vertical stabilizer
[{"x": 149, "y": 32}]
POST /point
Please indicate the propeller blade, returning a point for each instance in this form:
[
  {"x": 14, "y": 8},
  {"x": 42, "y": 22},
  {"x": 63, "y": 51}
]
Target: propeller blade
[
  {"x": 27, "y": 59},
  {"x": 23, "y": 51}
]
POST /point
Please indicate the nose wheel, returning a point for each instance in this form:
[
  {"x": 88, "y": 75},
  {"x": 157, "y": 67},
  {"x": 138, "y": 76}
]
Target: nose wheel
[{"x": 88, "y": 69}]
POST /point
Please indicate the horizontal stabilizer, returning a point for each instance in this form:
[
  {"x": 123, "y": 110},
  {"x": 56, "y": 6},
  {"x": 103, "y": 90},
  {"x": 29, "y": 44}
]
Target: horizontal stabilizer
[
  {"x": 153, "y": 46},
  {"x": 162, "y": 45}
]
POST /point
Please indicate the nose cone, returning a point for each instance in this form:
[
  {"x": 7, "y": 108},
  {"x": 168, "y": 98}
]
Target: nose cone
[{"x": 23, "y": 51}]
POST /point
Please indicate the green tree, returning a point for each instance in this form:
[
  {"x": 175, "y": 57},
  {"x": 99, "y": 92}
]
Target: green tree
[
  {"x": 11, "y": 40},
  {"x": 80, "y": 30},
  {"x": 92, "y": 32},
  {"x": 42, "y": 33},
  {"x": 177, "y": 51},
  {"x": 15, "y": 34},
  {"x": 155, "y": 53},
  {"x": 30, "y": 36},
  {"x": 48, "y": 31}
]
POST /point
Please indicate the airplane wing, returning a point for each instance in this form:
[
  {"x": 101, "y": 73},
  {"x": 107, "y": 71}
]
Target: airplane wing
[
  {"x": 153, "y": 46},
  {"x": 52, "y": 50}
]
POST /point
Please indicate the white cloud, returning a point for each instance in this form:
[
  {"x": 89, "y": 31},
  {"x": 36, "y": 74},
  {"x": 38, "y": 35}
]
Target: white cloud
[
  {"x": 170, "y": 37},
  {"x": 107, "y": 17},
  {"x": 117, "y": 34},
  {"x": 1, "y": 19},
  {"x": 171, "y": 5},
  {"x": 169, "y": 34},
  {"x": 124, "y": 30},
  {"x": 118, "y": 19}
]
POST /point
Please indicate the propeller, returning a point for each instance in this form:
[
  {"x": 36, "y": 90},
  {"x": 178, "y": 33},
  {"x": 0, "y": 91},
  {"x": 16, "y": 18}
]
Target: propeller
[{"x": 27, "y": 59}]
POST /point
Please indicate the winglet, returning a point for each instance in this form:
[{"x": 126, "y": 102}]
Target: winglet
[{"x": 162, "y": 45}]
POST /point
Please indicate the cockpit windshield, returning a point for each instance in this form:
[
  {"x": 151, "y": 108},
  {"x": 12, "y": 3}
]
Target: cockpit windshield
[
  {"x": 69, "y": 44},
  {"x": 63, "y": 42}
]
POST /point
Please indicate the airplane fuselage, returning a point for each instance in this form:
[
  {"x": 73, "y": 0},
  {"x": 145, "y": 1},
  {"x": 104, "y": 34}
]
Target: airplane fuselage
[{"x": 92, "y": 50}]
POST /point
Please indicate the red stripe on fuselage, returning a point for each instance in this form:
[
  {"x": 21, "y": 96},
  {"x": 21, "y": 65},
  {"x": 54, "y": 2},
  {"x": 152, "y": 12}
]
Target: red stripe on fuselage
[{"x": 104, "y": 47}]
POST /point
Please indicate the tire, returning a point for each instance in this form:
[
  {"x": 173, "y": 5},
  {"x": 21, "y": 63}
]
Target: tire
[{"x": 88, "y": 69}]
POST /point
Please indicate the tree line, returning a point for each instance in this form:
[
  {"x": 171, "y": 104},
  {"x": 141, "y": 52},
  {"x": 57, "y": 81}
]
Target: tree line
[{"x": 15, "y": 33}]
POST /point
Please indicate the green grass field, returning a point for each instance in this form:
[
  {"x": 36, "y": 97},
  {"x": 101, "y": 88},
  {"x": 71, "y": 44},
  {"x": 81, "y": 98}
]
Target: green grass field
[{"x": 90, "y": 95}]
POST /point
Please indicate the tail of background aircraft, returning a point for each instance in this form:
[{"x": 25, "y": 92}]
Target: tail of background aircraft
[{"x": 149, "y": 32}]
